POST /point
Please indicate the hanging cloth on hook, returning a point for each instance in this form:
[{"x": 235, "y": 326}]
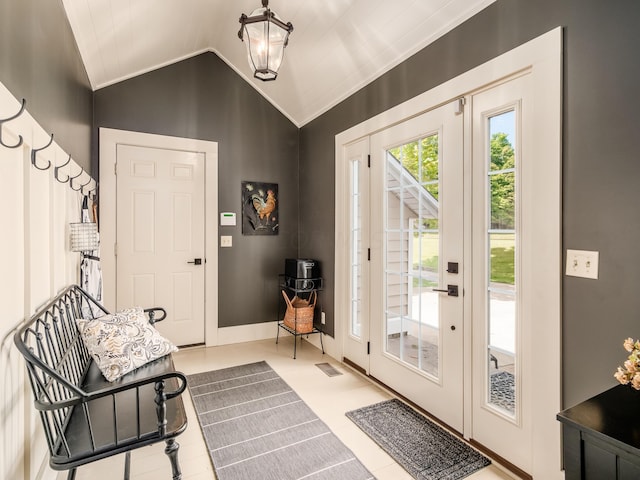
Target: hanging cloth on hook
[{"x": 90, "y": 271}]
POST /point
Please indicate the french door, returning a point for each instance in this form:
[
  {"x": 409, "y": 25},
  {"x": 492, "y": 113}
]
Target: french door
[
  {"x": 409, "y": 301},
  {"x": 407, "y": 287},
  {"x": 466, "y": 199},
  {"x": 408, "y": 209}
]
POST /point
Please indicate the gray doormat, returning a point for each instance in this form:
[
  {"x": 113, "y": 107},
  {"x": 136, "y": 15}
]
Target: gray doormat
[
  {"x": 421, "y": 447},
  {"x": 256, "y": 426}
]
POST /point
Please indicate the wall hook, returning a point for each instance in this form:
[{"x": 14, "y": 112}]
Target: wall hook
[
  {"x": 20, "y": 139},
  {"x": 34, "y": 152},
  {"x": 56, "y": 169},
  {"x": 82, "y": 187},
  {"x": 93, "y": 193},
  {"x": 76, "y": 176},
  {"x": 73, "y": 178}
]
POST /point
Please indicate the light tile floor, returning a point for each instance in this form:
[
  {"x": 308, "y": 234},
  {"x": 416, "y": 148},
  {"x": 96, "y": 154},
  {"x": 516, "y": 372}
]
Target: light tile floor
[{"x": 329, "y": 397}]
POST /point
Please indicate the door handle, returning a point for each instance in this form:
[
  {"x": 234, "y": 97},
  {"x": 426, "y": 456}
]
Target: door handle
[
  {"x": 452, "y": 290},
  {"x": 196, "y": 261}
]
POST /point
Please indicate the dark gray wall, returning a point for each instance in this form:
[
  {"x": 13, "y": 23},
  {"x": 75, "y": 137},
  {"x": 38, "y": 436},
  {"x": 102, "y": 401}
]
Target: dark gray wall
[
  {"x": 601, "y": 171},
  {"x": 203, "y": 98},
  {"x": 39, "y": 61}
]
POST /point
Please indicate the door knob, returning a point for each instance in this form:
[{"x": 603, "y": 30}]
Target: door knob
[
  {"x": 196, "y": 261},
  {"x": 452, "y": 290}
]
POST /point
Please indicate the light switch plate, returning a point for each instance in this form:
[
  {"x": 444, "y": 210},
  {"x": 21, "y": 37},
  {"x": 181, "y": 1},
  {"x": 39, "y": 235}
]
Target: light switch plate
[
  {"x": 226, "y": 240},
  {"x": 582, "y": 263}
]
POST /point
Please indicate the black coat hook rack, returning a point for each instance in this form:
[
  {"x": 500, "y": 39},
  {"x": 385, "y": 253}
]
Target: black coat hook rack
[
  {"x": 56, "y": 169},
  {"x": 34, "y": 152},
  {"x": 34, "y": 157},
  {"x": 13, "y": 117}
]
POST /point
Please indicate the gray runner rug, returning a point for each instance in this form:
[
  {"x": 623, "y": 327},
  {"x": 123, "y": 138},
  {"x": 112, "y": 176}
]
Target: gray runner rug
[
  {"x": 424, "y": 449},
  {"x": 256, "y": 427}
]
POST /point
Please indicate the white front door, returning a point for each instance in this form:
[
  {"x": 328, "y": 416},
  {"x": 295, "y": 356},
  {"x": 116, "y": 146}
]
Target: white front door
[
  {"x": 416, "y": 261},
  {"x": 161, "y": 237}
]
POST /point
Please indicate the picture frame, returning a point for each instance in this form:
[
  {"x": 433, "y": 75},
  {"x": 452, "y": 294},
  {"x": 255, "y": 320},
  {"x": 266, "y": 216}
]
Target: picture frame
[{"x": 260, "y": 208}]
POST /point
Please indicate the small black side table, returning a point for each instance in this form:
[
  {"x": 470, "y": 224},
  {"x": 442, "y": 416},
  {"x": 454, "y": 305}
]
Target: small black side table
[
  {"x": 601, "y": 436},
  {"x": 298, "y": 287}
]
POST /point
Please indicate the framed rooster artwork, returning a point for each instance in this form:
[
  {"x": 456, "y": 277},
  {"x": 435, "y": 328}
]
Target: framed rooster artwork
[{"x": 259, "y": 208}]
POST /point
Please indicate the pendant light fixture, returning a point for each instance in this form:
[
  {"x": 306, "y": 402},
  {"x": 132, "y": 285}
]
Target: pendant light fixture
[{"x": 265, "y": 36}]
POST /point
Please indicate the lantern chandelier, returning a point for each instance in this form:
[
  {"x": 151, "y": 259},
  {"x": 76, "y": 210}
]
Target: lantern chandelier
[{"x": 265, "y": 36}]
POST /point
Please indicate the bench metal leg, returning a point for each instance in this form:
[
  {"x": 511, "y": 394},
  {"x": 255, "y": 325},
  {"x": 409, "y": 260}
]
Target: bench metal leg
[
  {"x": 72, "y": 474},
  {"x": 127, "y": 465},
  {"x": 172, "y": 452}
]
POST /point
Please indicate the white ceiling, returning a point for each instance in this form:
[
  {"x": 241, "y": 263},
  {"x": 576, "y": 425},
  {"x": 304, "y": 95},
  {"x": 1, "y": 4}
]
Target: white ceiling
[{"x": 337, "y": 46}]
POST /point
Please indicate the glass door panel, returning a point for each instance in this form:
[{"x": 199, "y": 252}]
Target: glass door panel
[
  {"x": 412, "y": 254},
  {"x": 356, "y": 249},
  {"x": 501, "y": 259}
]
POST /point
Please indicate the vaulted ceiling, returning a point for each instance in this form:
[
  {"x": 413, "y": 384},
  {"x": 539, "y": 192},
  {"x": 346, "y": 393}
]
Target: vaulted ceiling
[{"x": 337, "y": 46}]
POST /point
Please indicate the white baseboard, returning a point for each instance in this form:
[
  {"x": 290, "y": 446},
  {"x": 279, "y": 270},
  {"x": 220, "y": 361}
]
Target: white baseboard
[
  {"x": 246, "y": 333},
  {"x": 267, "y": 330}
]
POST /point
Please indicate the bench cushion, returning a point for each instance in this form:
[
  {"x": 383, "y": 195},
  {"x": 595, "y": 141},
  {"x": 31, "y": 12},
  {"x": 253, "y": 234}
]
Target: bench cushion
[{"x": 122, "y": 342}]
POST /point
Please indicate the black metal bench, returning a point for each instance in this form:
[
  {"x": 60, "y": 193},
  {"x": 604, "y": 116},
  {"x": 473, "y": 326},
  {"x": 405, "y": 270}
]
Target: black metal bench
[{"x": 85, "y": 417}]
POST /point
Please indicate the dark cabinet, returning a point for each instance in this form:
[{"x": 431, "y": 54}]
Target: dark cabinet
[{"x": 601, "y": 436}]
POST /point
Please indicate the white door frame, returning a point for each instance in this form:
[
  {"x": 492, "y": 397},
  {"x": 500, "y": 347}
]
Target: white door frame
[
  {"x": 543, "y": 55},
  {"x": 109, "y": 139}
]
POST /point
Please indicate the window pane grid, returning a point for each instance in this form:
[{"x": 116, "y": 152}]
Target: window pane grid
[
  {"x": 499, "y": 172},
  {"x": 412, "y": 248}
]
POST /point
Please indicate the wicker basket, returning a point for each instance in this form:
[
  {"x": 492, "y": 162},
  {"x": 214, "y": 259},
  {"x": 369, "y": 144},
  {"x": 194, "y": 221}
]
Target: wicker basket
[{"x": 300, "y": 312}]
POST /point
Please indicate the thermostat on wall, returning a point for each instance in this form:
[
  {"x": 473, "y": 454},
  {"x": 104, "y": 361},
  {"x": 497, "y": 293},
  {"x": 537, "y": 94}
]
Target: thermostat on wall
[{"x": 227, "y": 219}]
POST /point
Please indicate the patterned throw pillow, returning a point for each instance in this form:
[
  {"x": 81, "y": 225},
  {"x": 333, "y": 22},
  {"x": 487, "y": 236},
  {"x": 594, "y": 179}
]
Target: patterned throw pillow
[
  {"x": 133, "y": 313},
  {"x": 122, "y": 342}
]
